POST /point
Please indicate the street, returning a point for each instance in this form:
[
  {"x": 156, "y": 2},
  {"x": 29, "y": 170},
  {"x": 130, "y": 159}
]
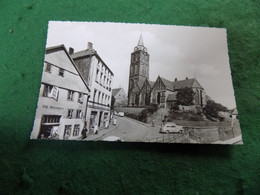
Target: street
[
  {"x": 130, "y": 130},
  {"x": 127, "y": 130}
]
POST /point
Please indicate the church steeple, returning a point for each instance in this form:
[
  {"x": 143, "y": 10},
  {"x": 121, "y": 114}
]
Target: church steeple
[
  {"x": 141, "y": 42},
  {"x": 139, "y": 71},
  {"x": 140, "y": 45}
]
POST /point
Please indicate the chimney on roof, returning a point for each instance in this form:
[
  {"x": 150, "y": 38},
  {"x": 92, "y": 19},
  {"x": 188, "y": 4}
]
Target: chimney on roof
[
  {"x": 71, "y": 50},
  {"x": 187, "y": 78},
  {"x": 90, "y": 45},
  {"x": 176, "y": 79}
]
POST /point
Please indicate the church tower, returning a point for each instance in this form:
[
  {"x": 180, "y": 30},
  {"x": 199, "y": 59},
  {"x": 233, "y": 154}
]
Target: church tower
[{"x": 139, "y": 72}]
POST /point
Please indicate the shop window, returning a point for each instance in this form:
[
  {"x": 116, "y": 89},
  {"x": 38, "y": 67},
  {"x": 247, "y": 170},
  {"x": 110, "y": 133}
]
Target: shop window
[
  {"x": 51, "y": 119},
  {"x": 67, "y": 131},
  {"x": 76, "y": 130}
]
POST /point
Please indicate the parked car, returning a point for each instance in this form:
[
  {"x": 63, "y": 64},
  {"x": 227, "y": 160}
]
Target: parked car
[
  {"x": 113, "y": 139},
  {"x": 121, "y": 114},
  {"x": 170, "y": 127}
]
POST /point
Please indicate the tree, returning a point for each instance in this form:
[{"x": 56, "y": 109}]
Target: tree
[
  {"x": 185, "y": 96},
  {"x": 212, "y": 109}
]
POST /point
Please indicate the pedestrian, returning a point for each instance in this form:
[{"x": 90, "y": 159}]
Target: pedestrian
[
  {"x": 114, "y": 121},
  {"x": 152, "y": 123},
  {"x": 106, "y": 124},
  {"x": 95, "y": 129},
  {"x": 84, "y": 133}
]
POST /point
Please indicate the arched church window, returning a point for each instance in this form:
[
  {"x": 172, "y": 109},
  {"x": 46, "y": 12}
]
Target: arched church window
[
  {"x": 136, "y": 69},
  {"x": 135, "y": 82},
  {"x": 132, "y": 83}
]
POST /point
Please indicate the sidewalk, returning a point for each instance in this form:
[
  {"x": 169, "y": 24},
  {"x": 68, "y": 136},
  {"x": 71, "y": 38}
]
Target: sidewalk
[
  {"x": 235, "y": 140},
  {"x": 101, "y": 132}
]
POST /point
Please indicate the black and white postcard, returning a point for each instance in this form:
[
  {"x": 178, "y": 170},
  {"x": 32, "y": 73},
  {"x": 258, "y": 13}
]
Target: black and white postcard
[{"x": 136, "y": 83}]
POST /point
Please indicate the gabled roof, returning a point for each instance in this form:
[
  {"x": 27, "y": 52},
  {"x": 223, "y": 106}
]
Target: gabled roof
[
  {"x": 235, "y": 112},
  {"x": 83, "y": 53},
  {"x": 146, "y": 82},
  {"x": 189, "y": 83},
  {"x": 62, "y": 47},
  {"x": 115, "y": 91},
  {"x": 167, "y": 83},
  {"x": 141, "y": 84},
  {"x": 151, "y": 83},
  {"x": 136, "y": 89}
]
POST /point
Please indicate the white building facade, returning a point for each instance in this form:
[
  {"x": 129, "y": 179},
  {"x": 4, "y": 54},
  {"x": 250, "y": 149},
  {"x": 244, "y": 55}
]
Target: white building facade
[
  {"x": 63, "y": 98},
  {"x": 100, "y": 78}
]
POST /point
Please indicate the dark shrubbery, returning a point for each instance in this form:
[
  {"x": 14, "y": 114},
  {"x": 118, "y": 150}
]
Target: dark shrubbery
[
  {"x": 152, "y": 108},
  {"x": 142, "y": 116},
  {"x": 175, "y": 107},
  {"x": 185, "y": 115},
  {"x": 212, "y": 109}
]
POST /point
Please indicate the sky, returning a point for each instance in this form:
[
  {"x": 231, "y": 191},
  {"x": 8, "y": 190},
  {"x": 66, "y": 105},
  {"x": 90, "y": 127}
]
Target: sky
[{"x": 175, "y": 52}]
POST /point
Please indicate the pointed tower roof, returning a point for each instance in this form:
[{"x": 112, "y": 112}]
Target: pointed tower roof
[
  {"x": 140, "y": 45},
  {"x": 141, "y": 42}
]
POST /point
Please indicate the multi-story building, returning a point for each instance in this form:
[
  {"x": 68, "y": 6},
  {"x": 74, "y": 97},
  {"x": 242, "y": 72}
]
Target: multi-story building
[
  {"x": 63, "y": 98},
  {"x": 99, "y": 77}
]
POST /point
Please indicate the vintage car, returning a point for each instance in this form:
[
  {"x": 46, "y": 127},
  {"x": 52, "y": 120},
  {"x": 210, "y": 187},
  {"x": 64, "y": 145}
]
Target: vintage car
[
  {"x": 170, "y": 127},
  {"x": 121, "y": 114},
  {"x": 113, "y": 139}
]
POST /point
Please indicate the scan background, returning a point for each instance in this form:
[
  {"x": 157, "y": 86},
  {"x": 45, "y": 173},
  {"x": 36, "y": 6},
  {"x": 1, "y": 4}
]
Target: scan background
[{"x": 71, "y": 167}]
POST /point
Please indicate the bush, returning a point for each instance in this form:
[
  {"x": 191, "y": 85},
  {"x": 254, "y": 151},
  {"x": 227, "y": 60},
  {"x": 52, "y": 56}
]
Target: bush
[
  {"x": 212, "y": 109},
  {"x": 152, "y": 108},
  {"x": 143, "y": 115},
  {"x": 175, "y": 107}
]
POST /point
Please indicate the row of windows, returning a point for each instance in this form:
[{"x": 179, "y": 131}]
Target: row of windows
[
  {"x": 68, "y": 128},
  {"x": 100, "y": 97},
  {"x": 79, "y": 113},
  {"x": 48, "y": 68},
  {"x": 53, "y": 92},
  {"x": 103, "y": 80},
  {"x": 104, "y": 70}
]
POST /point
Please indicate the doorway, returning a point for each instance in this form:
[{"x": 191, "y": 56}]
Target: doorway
[
  {"x": 158, "y": 97},
  {"x": 100, "y": 118}
]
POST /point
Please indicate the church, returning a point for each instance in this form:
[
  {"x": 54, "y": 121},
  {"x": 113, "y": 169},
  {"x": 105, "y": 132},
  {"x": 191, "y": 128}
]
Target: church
[{"x": 142, "y": 91}]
